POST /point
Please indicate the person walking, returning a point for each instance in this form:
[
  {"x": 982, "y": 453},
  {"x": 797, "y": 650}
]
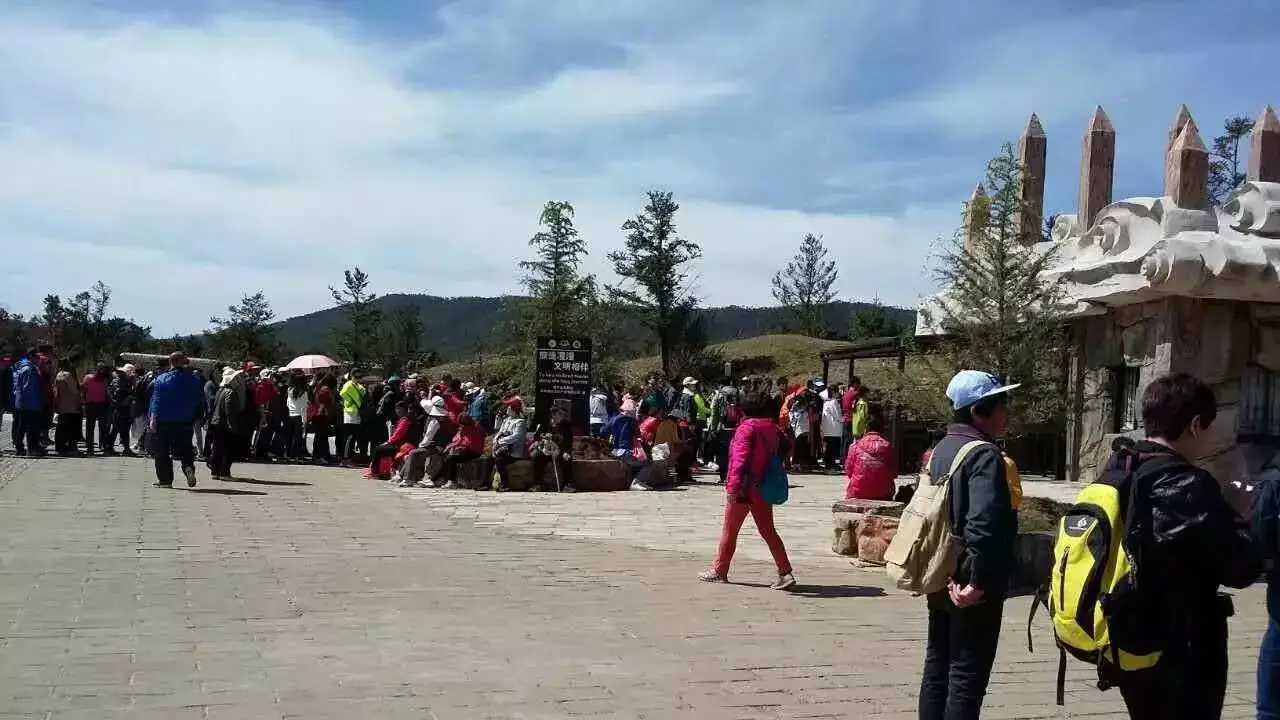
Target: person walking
[
  {"x": 122, "y": 393},
  {"x": 755, "y": 441},
  {"x": 176, "y": 398},
  {"x": 225, "y": 421},
  {"x": 964, "y": 619}
]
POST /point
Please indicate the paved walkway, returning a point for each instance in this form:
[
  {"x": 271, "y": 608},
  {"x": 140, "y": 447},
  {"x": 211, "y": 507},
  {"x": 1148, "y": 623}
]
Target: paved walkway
[{"x": 310, "y": 593}]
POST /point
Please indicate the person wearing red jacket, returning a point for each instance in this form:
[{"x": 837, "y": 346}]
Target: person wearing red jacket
[
  {"x": 872, "y": 462},
  {"x": 399, "y": 435},
  {"x": 467, "y": 445}
]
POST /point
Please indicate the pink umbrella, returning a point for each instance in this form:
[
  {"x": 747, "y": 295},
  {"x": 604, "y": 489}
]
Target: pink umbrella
[{"x": 312, "y": 362}]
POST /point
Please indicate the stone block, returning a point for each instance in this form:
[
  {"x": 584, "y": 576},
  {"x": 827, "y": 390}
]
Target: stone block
[
  {"x": 520, "y": 475},
  {"x": 601, "y": 476},
  {"x": 844, "y": 542},
  {"x": 874, "y": 535},
  {"x": 863, "y": 506},
  {"x": 477, "y": 474},
  {"x": 1032, "y": 561}
]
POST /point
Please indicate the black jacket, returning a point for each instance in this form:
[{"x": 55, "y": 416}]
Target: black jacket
[
  {"x": 1191, "y": 541},
  {"x": 1265, "y": 525},
  {"x": 982, "y": 514}
]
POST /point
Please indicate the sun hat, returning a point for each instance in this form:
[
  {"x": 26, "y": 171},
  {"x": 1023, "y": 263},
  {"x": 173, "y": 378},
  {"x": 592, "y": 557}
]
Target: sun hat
[
  {"x": 969, "y": 386},
  {"x": 690, "y": 382},
  {"x": 435, "y": 407}
]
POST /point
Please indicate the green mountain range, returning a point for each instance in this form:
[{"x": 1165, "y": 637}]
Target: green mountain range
[{"x": 457, "y": 328}]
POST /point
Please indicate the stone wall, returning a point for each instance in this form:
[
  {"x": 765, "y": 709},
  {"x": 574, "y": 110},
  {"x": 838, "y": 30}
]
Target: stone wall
[{"x": 1212, "y": 339}]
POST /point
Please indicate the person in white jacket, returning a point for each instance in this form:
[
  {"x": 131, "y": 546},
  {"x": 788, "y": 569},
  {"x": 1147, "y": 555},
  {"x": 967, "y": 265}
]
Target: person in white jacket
[
  {"x": 509, "y": 445},
  {"x": 832, "y": 428}
]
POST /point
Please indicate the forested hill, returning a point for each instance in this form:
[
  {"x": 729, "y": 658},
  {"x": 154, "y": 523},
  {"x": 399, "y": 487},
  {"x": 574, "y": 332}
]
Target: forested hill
[{"x": 456, "y": 328}]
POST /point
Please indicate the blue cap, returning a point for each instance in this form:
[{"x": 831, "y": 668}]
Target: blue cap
[{"x": 970, "y": 386}]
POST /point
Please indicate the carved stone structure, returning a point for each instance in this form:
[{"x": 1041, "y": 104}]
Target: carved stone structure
[{"x": 1168, "y": 284}]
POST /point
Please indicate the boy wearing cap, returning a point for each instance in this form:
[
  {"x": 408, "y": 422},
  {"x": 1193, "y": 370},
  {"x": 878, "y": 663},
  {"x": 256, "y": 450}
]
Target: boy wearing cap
[{"x": 964, "y": 619}]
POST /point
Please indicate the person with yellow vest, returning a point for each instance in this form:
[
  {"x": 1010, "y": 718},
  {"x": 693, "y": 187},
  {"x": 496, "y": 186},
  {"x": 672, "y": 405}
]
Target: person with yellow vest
[{"x": 352, "y": 397}]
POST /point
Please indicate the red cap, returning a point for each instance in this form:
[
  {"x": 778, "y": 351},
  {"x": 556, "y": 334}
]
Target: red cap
[{"x": 515, "y": 403}]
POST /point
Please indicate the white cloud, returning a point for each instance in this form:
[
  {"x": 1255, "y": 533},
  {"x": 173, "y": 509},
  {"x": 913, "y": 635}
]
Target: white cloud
[{"x": 189, "y": 161}]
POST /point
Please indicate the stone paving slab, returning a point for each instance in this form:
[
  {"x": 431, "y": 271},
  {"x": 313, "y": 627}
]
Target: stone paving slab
[{"x": 311, "y": 593}]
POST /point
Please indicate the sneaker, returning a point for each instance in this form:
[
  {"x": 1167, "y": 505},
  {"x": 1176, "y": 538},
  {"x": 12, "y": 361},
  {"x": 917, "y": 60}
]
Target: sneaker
[
  {"x": 190, "y": 473},
  {"x": 711, "y": 467},
  {"x": 711, "y": 576},
  {"x": 785, "y": 582},
  {"x": 637, "y": 485},
  {"x": 451, "y": 485},
  {"x": 568, "y": 488}
]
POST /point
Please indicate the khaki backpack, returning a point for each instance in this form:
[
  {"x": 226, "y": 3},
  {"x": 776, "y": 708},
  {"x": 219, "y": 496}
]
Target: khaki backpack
[{"x": 923, "y": 553}]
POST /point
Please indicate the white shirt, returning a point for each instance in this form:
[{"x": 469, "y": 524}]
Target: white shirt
[
  {"x": 832, "y": 418},
  {"x": 297, "y": 405}
]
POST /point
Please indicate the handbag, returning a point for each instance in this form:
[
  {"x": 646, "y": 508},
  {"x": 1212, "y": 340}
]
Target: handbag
[{"x": 774, "y": 485}]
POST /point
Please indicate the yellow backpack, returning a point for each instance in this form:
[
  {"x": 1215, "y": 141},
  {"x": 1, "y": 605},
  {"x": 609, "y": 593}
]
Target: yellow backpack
[
  {"x": 922, "y": 555},
  {"x": 1098, "y": 615}
]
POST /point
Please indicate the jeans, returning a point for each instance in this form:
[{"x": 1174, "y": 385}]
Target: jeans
[
  {"x": 172, "y": 440},
  {"x": 735, "y": 513},
  {"x": 97, "y": 418},
  {"x": 958, "y": 657},
  {"x": 1269, "y": 674},
  {"x": 1190, "y": 681},
  {"x": 295, "y": 442},
  {"x": 27, "y": 430},
  {"x": 67, "y": 432}
]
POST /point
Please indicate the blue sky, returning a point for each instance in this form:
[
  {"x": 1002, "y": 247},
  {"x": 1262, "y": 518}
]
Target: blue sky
[{"x": 189, "y": 157}]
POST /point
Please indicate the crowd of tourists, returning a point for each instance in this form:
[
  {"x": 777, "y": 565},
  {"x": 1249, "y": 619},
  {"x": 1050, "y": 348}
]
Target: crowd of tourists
[{"x": 1182, "y": 540}]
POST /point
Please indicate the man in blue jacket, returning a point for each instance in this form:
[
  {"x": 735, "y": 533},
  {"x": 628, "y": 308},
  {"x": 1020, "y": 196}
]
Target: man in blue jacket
[
  {"x": 28, "y": 406},
  {"x": 176, "y": 399}
]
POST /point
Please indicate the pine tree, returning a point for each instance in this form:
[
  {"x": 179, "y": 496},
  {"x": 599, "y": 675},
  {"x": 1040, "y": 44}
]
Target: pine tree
[
  {"x": 1225, "y": 174},
  {"x": 358, "y": 342},
  {"x": 558, "y": 291},
  {"x": 653, "y": 265},
  {"x": 402, "y": 339},
  {"x": 874, "y": 320},
  {"x": 245, "y": 332},
  {"x": 999, "y": 312},
  {"x": 806, "y": 285}
]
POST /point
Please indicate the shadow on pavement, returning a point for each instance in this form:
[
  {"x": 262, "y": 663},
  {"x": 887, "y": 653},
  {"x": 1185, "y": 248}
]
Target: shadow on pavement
[
  {"x": 224, "y": 491},
  {"x": 837, "y": 591},
  {"x": 280, "y": 483}
]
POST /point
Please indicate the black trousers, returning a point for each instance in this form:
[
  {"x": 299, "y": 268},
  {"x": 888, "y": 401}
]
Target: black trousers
[
  {"x": 121, "y": 425},
  {"x": 67, "y": 432},
  {"x": 222, "y": 449},
  {"x": 28, "y": 428},
  {"x": 1190, "y": 681},
  {"x": 295, "y": 443},
  {"x": 384, "y": 450},
  {"x": 546, "y": 468},
  {"x": 170, "y": 441},
  {"x": 831, "y": 451},
  {"x": 97, "y": 418},
  {"x": 958, "y": 657},
  {"x": 452, "y": 461},
  {"x": 352, "y": 433}
]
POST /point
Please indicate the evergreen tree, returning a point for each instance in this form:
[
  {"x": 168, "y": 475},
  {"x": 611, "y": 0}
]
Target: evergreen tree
[
  {"x": 653, "y": 264},
  {"x": 358, "y": 342},
  {"x": 558, "y": 291},
  {"x": 402, "y": 340},
  {"x": 806, "y": 285},
  {"x": 874, "y": 320},
  {"x": 245, "y": 332},
  {"x": 1225, "y": 173},
  {"x": 998, "y": 311}
]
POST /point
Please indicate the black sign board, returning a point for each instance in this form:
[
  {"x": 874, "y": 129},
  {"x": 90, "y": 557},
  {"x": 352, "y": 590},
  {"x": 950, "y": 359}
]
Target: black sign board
[{"x": 562, "y": 378}]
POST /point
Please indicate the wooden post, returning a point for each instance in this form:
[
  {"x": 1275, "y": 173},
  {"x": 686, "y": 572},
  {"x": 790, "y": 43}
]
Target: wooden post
[
  {"x": 1264, "y": 148},
  {"x": 1033, "y": 149},
  {"x": 826, "y": 367},
  {"x": 1186, "y": 169},
  {"x": 1097, "y": 168}
]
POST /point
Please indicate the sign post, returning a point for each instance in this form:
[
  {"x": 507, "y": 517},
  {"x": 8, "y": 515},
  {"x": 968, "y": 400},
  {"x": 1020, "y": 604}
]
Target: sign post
[{"x": 562, "y": 378}]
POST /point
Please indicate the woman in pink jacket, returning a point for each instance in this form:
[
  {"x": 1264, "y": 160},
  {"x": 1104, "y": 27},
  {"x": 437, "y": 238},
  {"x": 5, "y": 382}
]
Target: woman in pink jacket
[
  {"x": 872, "y": 463},
  {"x": 755, "y": 440}
]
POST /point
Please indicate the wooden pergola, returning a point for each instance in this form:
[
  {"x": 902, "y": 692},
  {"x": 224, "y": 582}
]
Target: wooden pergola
[{"x": 896, "y": 346}]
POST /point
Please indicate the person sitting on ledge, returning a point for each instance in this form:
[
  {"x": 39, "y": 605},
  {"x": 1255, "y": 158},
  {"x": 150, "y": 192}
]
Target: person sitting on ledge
[
  {"x": 509, "y": 443},
  {"x": 872, "y": 462},
  {"x": 399, "y": 436},
  {"x": 467, "y": 445}
]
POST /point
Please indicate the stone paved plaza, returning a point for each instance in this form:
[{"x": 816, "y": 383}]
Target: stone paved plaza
[{"x": 311, "y": 593}]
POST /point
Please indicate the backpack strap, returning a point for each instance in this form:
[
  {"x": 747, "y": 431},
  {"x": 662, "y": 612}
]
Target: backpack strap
[{"x": 958, "y": 460}]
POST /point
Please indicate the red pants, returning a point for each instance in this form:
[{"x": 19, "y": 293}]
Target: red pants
[{"x": 734, "y": 515}]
